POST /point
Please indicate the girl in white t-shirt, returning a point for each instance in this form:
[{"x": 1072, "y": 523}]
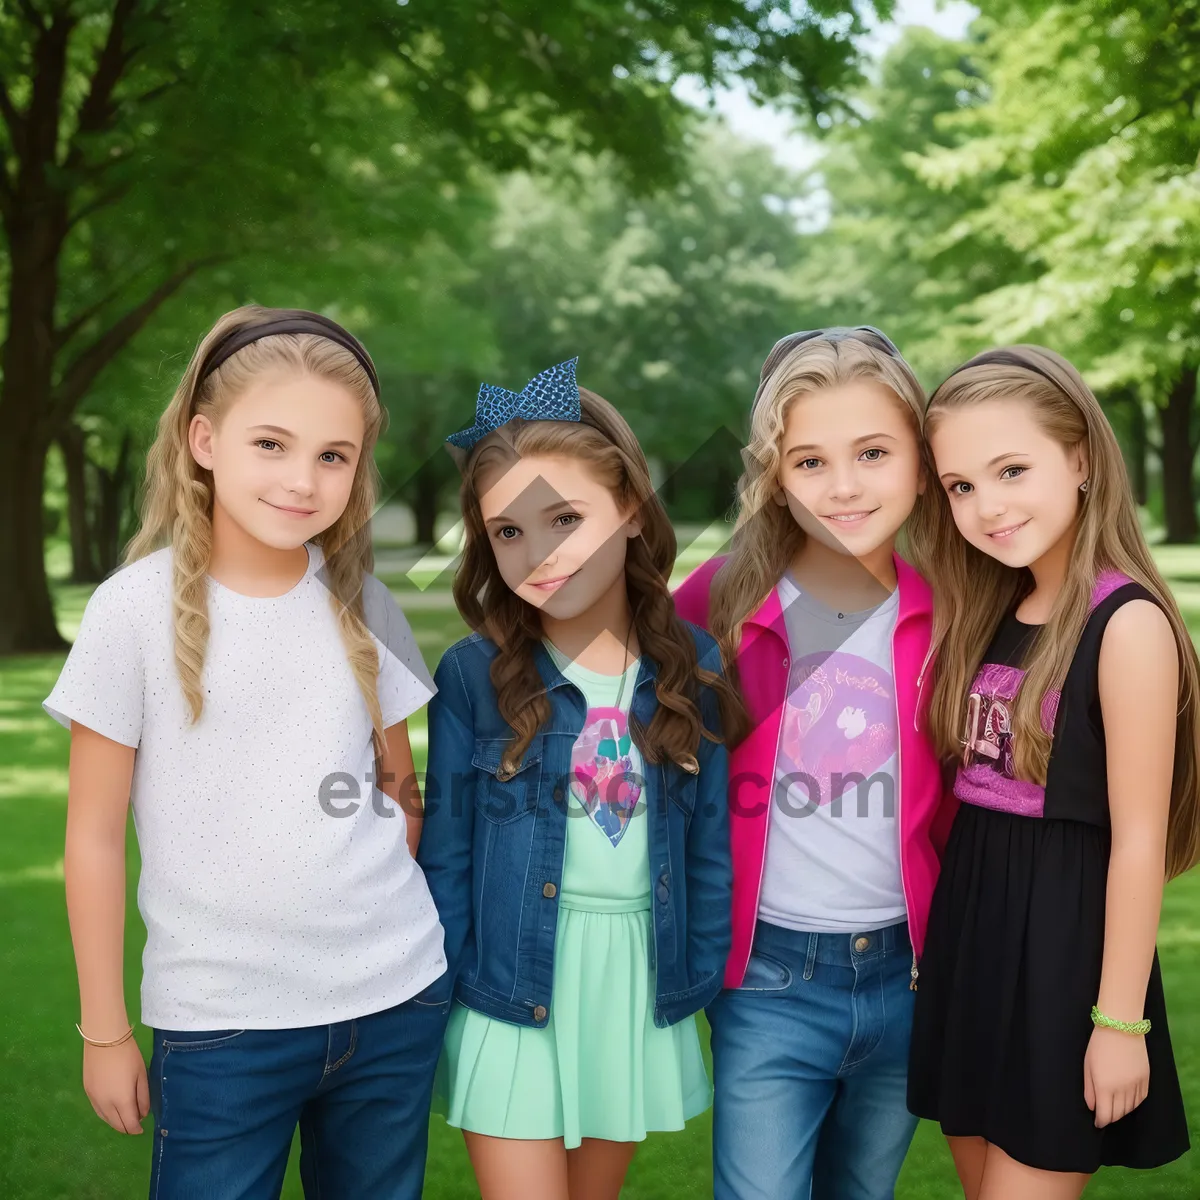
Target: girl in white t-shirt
[{"x": 242, "y": 683}]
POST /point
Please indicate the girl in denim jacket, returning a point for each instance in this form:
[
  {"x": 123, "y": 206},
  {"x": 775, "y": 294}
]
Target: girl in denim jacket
[{"x": 576, "y": 837}]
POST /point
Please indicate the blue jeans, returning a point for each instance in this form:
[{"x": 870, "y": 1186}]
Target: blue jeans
[
  {"x": 226, "y": 1104},
  {"x": 810, "y": 1064}
]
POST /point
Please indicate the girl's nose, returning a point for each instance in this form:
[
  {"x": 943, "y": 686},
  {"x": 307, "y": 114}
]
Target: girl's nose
[
  {"x": 845, "y": 484},
  {"x": 301, "y": 484},
  {"x": 992, "y": 505},
  {"x": 541, "y": 557}
]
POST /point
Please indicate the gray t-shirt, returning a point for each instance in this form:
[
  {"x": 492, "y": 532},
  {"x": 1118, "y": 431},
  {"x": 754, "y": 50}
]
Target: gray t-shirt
[
  {"x": 266, "y": 906},
  {"x": 833, "y": 847}
]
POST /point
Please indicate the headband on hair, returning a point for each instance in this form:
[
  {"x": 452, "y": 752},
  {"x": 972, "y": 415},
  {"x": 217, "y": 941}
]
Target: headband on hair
[
  {"x": 832, "y": 334},
  {"x": 552, "y": 395},
  {"x": 1003, "y": 358},
  {"x": 288, "y": 320}
]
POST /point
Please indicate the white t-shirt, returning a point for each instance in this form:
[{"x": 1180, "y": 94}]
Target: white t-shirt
[
  {"x": 833, "y": 842},
  {"x": 264, "y": 907}
]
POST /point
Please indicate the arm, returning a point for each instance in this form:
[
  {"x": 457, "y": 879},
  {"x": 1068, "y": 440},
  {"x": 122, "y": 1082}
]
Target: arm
[
  {"x": 709, "y": 858},
  {"x": 101, "y": 770},
  {"x": 1139, "y": 680},
  {"x": 445, "y": 848},
  {"x": 398, "y": 778}
]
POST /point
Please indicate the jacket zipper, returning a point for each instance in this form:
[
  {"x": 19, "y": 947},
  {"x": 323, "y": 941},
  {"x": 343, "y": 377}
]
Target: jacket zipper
[
  {"x": 912, "y": 971},
  {"x": 920, "y": 684},
  {"x": 762, "y": 864}
]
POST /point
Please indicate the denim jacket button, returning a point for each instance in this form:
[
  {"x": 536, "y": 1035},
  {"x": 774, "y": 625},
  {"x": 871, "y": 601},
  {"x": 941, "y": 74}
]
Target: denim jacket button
[
  {"x": 549, "y": 891},
  {"x": 558, "y": 795},
  {"x": 539, "y": 1013}
]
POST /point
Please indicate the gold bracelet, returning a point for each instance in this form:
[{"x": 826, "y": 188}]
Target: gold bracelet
[{"x": 92, "y": 1041}]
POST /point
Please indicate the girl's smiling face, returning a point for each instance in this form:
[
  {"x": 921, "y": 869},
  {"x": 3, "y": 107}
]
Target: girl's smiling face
[
  {"x": 559, "y": 539},
  {"x": 1014, "y": 490},
  {"x": 850, "y": 466},
  {"x": 283, "y": 456}
]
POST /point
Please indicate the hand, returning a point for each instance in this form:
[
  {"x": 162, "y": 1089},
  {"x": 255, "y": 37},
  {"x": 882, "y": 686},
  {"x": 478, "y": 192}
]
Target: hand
[
  {"x": 1116, "y": 1074},
  {"x": 114, "y": 1078}
]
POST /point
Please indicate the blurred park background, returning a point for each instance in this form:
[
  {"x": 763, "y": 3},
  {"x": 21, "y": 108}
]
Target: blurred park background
[{"x": 482, "y": 189}]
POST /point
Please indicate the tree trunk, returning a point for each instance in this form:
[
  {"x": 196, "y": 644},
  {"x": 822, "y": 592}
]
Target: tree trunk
[
  {"x": 26, "y": 612},
  {"x": 84, "y": 568},
  {"x": 1178, "y": 456},
  {"x": 423, "y": 497},
  {"x": 35, "y": 226},
  {"x": 723, "y": 494},
  {"x": 669, "y": 489},
  {"x": 1138, "y": 447},
  {"x": 110, "y": 507}
]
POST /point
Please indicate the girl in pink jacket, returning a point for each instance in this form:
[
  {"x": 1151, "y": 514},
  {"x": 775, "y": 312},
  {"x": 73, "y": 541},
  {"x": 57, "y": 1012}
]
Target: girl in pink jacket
[{"x": 836, "y": 800}]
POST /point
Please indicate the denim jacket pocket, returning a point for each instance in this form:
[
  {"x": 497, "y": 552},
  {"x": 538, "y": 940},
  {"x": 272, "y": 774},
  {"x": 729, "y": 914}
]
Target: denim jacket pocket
[
  {"x": 504, "y": 799},
  {"x": 681, "y": 788}
]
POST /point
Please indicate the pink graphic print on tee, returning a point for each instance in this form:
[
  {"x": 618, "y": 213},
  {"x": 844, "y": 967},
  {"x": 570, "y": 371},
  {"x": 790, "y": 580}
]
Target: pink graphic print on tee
[
  {"x": 986, "y": 777},
  {"x": 602, "y": 775},
  {"x": 840, "y": 722}
]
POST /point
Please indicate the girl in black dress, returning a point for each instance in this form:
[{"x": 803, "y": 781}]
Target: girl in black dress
[{"x": 1067, "y": 691}]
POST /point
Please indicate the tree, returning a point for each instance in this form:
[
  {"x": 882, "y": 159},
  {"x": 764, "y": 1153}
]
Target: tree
[
  {"x": 1086, "y": 152},
  {"x": 671, "y": 300},
  {"x": 895, "y": 252},
  {"x": 146, "y": 140}
]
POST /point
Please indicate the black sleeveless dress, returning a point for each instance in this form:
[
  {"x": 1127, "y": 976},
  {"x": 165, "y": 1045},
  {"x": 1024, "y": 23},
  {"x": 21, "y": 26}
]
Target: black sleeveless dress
[{"x": 1012, "y": 959}]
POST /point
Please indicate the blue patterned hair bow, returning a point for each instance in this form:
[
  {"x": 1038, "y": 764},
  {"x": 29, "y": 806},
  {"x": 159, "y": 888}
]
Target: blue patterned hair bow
[{"x": 551, "y": 396}]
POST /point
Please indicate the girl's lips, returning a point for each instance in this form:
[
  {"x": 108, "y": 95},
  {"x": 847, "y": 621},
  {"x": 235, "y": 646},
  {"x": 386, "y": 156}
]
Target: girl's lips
[
  {"x": 552, "y": 585},
  {"x": 1001, "y": 534},
  {"x": 845, "y": 519},
  {"x": 292, "y": 512}
]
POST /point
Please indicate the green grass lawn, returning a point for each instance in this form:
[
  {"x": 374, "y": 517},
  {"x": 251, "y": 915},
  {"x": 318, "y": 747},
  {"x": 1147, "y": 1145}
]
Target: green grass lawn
[{"x": 53, "y": 1147}]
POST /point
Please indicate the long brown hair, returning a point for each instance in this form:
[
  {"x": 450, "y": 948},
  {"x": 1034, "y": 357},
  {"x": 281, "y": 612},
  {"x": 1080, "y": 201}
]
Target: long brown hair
[
  {"x": 973, "y": 591},
  {"x": 766, "y": 537},
  {"x": 604, "y": 442},
  {"x": 177, "y": 503}
]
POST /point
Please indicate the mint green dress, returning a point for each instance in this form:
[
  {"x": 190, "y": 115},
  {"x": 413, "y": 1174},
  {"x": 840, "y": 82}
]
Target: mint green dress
[{"x": 600, "y": 1068}]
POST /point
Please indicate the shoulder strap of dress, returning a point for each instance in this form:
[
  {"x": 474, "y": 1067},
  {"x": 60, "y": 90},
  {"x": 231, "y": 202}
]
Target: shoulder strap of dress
[{"x": 1107, "y": 582}]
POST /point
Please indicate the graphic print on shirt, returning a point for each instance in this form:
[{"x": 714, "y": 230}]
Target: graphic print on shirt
[
  {"x": 602, "y": 776},
  {"x": 840, "y": 723},
  {"x": 987, "y": 775}
]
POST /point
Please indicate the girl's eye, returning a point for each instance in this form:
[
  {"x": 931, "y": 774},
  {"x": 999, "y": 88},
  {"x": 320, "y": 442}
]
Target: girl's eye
[
  {"x": 335, "y": 456},
  {"x": 876, "y": 451},
  {"x": 953, "y": 488},
  {"x": 267, "y": 444},
  {"x": 505, "y": 530},
  {"x": 809, "y": 464},
  {"x": 567, "y": 518},
  {"x": 1019, "y": 470}
]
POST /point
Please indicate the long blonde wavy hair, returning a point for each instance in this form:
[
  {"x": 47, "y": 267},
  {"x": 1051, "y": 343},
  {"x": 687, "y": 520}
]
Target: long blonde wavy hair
[
  {"x": 177, "y": 502},
  {"x": 766, "y": 537},
  {"x": 973, "y": 591},
  {"x": 603, "y": 441}
]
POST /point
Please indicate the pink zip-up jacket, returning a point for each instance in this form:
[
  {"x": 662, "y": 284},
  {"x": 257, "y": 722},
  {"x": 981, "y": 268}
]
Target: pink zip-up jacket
[{"x": 925, "y": 807}]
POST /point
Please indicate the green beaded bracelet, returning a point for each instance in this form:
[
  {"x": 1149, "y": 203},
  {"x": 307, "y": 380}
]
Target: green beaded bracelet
[{"x": 1136, "y": 1027}]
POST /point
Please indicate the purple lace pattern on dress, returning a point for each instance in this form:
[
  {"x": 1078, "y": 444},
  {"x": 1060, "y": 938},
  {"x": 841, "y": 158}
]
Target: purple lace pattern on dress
[{"x": 987, "y": 776}]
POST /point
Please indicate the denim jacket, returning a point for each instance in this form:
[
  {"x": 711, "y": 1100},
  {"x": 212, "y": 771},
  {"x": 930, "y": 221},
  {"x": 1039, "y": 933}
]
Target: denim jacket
[{"x": 492, "y": 850}]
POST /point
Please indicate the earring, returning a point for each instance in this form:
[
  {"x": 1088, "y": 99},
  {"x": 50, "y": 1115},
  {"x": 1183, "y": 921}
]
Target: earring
[{"x": 1083, "y": 486}]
